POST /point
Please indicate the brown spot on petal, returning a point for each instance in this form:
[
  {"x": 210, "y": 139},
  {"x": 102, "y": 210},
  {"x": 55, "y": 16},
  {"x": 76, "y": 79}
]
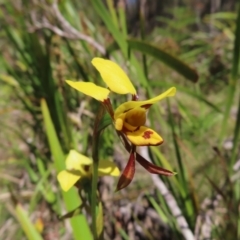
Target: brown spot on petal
[
  {"x": 134, "y": 97},
  {"x": 147, "y": 134},
  {"x": 127, "y": 110},
  {"x": 86, "y": 168},
  {"x": 146, "y": 106}
]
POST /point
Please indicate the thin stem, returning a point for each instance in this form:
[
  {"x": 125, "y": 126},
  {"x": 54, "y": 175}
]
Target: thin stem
[
  {"x": 94, "y": 190},
  {"x": 96, "y": 135}
]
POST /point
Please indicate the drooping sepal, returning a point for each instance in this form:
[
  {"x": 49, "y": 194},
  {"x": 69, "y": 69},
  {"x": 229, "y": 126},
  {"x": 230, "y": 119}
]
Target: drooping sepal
[
  {"x": 154, "y": 169},
  {"x": 128, "y": 173}
]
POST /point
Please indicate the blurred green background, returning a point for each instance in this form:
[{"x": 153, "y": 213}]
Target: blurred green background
[{"x": 192, "y": 45}]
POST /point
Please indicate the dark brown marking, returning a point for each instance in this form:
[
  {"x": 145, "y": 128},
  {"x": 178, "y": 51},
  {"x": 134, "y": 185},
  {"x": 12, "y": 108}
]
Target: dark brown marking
[
  {"x": 147, "y": 134},
  {"x": 146, "y": 106}
]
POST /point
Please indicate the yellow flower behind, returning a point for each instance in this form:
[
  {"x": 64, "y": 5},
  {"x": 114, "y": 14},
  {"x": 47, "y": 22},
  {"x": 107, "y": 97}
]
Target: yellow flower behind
[{"x": 79, "y": 166}]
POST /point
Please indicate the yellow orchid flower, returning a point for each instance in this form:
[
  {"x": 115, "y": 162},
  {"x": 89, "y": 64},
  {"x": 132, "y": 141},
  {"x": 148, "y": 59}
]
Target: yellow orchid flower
[
  {"x": 79, "y": 166},
  {"x": 129, "y": 118}
]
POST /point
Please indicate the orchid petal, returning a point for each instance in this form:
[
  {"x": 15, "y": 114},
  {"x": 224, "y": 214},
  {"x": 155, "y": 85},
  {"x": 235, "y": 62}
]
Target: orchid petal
[
  {"x": 107, "y": 167},
  {"x": 144, "y": 136},
  {"x": 128, "y": 173},
  {"x": 115, "y": 78},
  {"x": 129, "y": 128},
  {"x": 154, "y": 169},
  {"x": 131, "y": 120},
  {"x": 90, "y": 89},
  {"x": 127, "y": 106},
  {"x": 136, "y": 116},
  {"x": 76, "y": 161},
  {"x": 169, "y": 93},
  {"x": 121, "y": 123},
  {"x": 67, "y": 179}
]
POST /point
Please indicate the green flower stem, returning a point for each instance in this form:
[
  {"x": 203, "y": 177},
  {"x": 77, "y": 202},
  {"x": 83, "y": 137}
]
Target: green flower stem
[
  {"x": 96, "y": 135},
  {"x": 94, "y": 190}
]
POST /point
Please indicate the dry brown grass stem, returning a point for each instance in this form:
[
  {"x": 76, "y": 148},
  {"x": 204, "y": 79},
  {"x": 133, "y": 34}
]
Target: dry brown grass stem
[
  {"x": 170, "y": 200},
  {"x": 65, "y": 30}
]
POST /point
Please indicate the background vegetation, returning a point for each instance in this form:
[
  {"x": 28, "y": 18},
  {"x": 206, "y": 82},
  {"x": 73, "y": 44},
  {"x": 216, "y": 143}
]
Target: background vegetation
[{"x": 159, "y": 45}]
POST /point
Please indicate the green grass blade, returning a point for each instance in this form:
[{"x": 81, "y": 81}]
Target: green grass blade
[
  {"x": 120, "y": 40},
  {"x": 81, "y": 230},
  {"x": 236, "y": 137},
  {"x": 168, "y": 166},
  {"x": 158, "y": 209},
  {"x": 164, "y": 57},
  {"x": 113, "y": 13},
  {"x": 105, "y": 121},
  {"x": 100, "y": 221},
  {"x": 122, "y": 20},
  {"x": 188, "y": 91},
  {"x": 183, "y": 177},
  {"x": 223, "y": 15},
  {"x": 105, "y": 16},
  {"x": 234, "y": 76},
  {"x": 55, "y": 147},
  {"x": 26, "y": 224}
]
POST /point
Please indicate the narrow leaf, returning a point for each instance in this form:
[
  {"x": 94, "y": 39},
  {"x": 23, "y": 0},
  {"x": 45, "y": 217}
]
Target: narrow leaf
[
  {"x": 71, "y": 198},
  {"x": 27, "y": 226},
  {"x": 104, "y": 122},
  {"x": 71, "y": 214},
  {"x": 54, "y": 143},
  {"x": 165, "y": 57},
  {"x": 234, "y": 77},
  {"x": 236, "y": 137},
  {"x": 100, "y": 221}
]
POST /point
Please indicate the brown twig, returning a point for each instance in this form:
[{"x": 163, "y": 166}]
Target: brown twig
[
  {"x": 170, "y": 200},
  {"x": 66, "y": 30}
]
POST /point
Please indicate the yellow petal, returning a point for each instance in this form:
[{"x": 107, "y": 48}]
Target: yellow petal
[
  {"x": 39, "y": 225},
  {"x": 144, "y": 104},
  {"x": 76, "y": 161},
  {"x": 115, "y": 78},
  {"x": 169, "y": 93},
  {"x": 67, "y": 179},
  {"x": 107, "y": 167},
  {"x": 119, "y": 123},
  {"x": 130, "y": 122},
  {"x": 144, "y": 137},
  {"x": 90, "y": 89},
  {"x": 129, "y": 128}
]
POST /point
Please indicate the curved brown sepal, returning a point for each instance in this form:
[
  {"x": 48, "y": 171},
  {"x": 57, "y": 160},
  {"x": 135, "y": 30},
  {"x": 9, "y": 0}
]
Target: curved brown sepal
[
  {"x": 128, "y": 173},
  {"x": 153, "y": 168}
]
